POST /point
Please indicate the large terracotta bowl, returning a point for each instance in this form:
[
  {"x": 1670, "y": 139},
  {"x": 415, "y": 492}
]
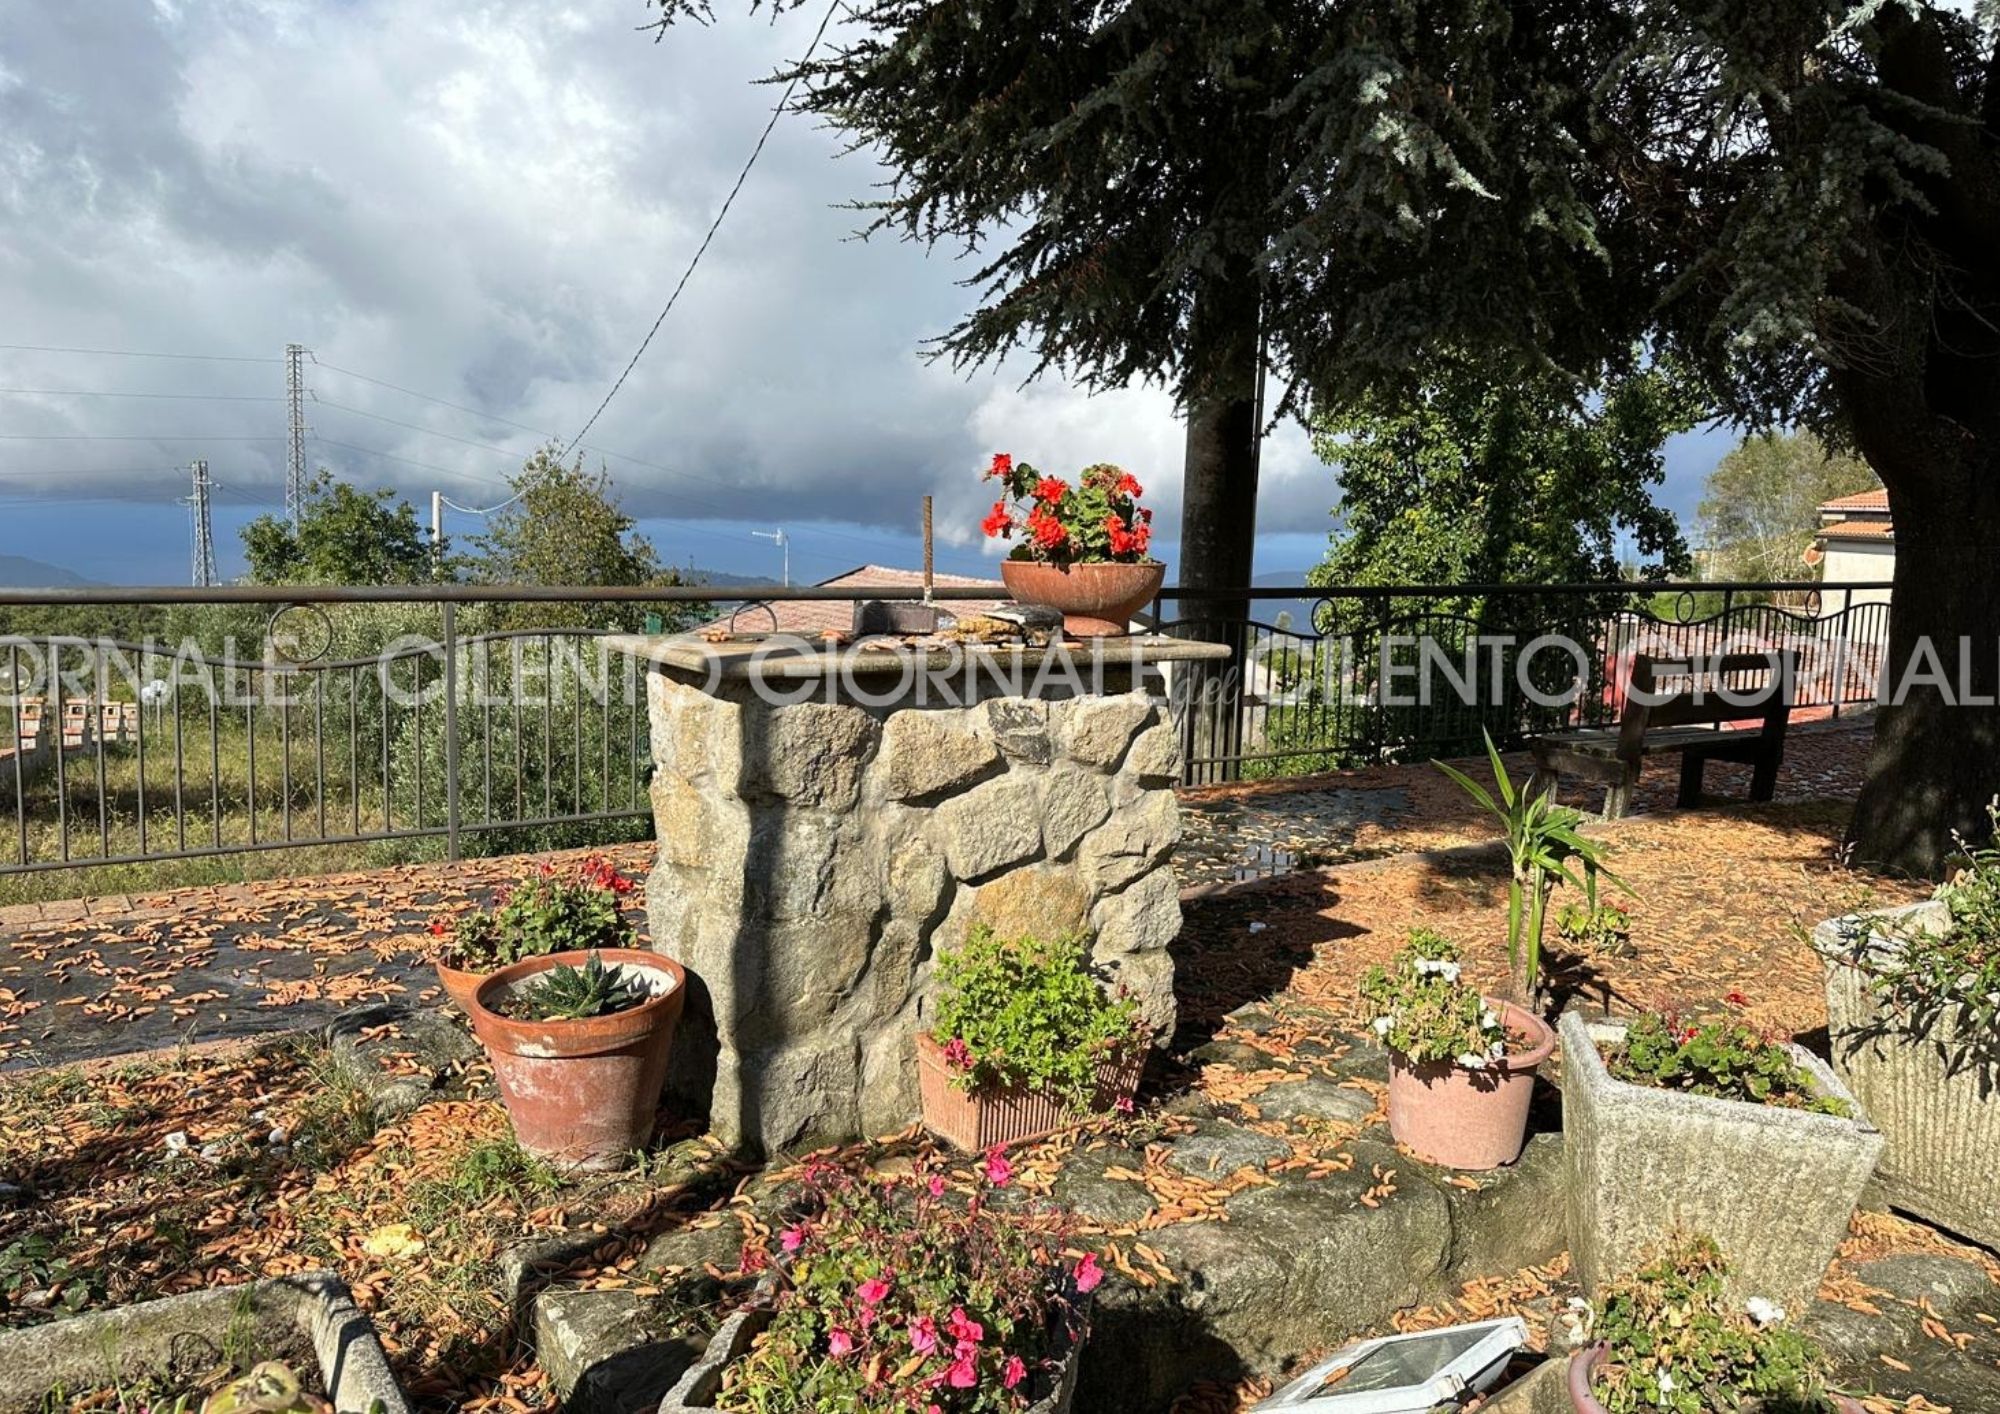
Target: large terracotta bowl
[{"x": 1095, "y": 600}]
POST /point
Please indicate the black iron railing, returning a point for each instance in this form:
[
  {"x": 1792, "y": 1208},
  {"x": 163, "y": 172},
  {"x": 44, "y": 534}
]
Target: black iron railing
[{"x": 142, "y": 725}]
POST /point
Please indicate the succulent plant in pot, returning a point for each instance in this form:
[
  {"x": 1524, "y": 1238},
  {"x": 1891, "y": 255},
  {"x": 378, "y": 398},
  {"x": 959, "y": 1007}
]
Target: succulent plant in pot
[
  {"x": 556, "y": 908},
  {"x": 1024, "y": 1040},
  {"x": 1461, "y": 1065},
  {"x": 1913, "y": 1018},
  {"x": 1673, "y": 1338},
  {"x": 580, "y": 1049},
  {"x": 887, "y": 1298}
]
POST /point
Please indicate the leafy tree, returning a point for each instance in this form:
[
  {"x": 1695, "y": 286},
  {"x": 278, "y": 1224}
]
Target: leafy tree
[
  {"x": 1800, "y": 199},
  {"x": 1528, "y": 482},
  {"x": 564, "y": 526},
  {"x": 344, "y": 536},
  {"x": 1760, "y": 506}
]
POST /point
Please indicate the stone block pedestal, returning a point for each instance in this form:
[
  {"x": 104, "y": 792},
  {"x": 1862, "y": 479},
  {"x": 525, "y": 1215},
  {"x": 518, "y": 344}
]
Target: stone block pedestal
[{"x": 828, "y": 821}]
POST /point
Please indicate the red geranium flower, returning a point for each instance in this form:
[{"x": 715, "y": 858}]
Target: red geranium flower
[
  {"x": 999, "y": 521},
  {"x": 1046, "y": 531},
  {"x": 1051, "y": 489},
  {"x": 1128, "y": 485},
  {"x": 1003, "y": 465}
]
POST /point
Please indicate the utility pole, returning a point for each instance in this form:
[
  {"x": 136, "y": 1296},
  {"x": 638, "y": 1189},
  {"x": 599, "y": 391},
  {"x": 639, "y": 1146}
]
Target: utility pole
[
  {"x": 204, "y": 535},
  {"x": 295, "y": 400},
  {"x": 777, "y": 537}
]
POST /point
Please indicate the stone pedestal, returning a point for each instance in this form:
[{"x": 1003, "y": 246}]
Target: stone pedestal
[{"x": 828, "y": 821}]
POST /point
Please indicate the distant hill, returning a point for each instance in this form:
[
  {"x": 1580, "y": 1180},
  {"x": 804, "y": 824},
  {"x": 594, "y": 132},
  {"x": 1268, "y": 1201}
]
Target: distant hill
[
  {"x": 20, "y": 572},
  {"x": 720, "y": 579}
]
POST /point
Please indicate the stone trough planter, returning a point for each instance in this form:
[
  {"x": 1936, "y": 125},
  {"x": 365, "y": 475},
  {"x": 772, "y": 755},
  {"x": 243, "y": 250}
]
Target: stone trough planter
[
  {"x": 1774, "y": 1187},
  {"x": 309, "y": 1321},
  {"x": 696, "y": 1390},
  {"x": 1939, "y": 1113}
]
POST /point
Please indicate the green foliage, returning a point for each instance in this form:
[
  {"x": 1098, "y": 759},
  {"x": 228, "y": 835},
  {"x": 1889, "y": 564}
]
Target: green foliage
[
  {"x": 1679, "y": 1345},
  {"x": 344, "y": 536},
  {"x": 1601, "y": 929},
  {"x": 1722, "y": 1059},
  {"x": 565, "y": 526},
  {"x": 1029, "y": 1013},
  {"x": 1760, "y": 506},
  {"x": 1543, "y": 839},
  {"x": 1472, "y": 480},
  {"x": 552, "y": 910},
  {"x": 37, "y": 1283},
  {"x": 1424, "y": 1012},
  {"x": 569, "y": 992},
  {"x": 897, "y": 1297}
]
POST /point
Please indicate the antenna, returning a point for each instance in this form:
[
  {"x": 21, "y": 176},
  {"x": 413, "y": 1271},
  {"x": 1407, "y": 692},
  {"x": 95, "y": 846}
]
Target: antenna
[
  {"x": 777, "y": 537},
  {"x": 204, "y": 536},
  {"x": 295, "y": 463}
]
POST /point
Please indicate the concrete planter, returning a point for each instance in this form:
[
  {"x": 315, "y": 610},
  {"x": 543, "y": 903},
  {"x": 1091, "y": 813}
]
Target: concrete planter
[
  {"x": 1939, "y": 1113},
  {"x": 309, "y": 1321},
  {"x": 696, "y": 1390},
  {"x": 1774, "y": 1187}
]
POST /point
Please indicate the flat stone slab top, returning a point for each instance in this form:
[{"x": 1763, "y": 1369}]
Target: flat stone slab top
[{"x": 788, "y": 658}]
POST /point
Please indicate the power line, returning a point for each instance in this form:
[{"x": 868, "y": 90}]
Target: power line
[
  {"x": 426, "y": 397},
  {"x": 123, "y": 437},
  {"x": 133, "y": 353},
  {"x": 108, "y": 393},
  {"x": 418, "y": 427},
  {"x": 713, "y": 226}
]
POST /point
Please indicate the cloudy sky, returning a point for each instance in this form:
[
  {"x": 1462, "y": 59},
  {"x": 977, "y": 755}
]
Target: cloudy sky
[{"x": 488, "y": 206}]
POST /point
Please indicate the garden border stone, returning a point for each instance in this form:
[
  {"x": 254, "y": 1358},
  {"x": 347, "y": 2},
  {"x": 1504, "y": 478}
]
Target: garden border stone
[
  {"x": 1774, "y": 1187},
  {"x": 272, "y": 1317},
  {"x": 1941, "y": 1160}
]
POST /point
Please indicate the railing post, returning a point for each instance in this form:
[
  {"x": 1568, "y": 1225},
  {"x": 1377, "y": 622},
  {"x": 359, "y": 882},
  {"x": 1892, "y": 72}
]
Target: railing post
[{"x": 451, "y": 816}]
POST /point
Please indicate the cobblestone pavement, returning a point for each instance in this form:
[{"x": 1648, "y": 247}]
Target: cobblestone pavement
[{"x": 88, "y": 978}]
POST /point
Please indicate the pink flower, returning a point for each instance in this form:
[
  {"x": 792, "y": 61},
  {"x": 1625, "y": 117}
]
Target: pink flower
[
  {"x": 964, "y": 1371},
  {"x": 839, "y": 1342},
  {"x": 923, "y": 1335},
  {"x": 957, "y": 1054},
  {"x": 1016, "y": 1370},
  {"x": 999, "y": 1172},
  {"x": 792, "y": 1239},
  {"x": 937, "y": 1185},
  {"x": 964, "y": 1329},
  {"x": 1088, "y": 1273},
  {"x": 872, "y": 1291},
  {"x": 1124, "y": 1105}
]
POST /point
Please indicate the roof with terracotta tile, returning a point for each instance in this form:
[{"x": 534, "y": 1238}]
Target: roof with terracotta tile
[
  {"x": 812, "y": 617},
  {"x": 1875, "y": 500},
  {"x": 1857, "y": 530}
]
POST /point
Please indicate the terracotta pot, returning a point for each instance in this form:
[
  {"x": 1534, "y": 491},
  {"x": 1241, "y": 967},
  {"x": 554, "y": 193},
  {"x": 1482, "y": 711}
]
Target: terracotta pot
[
  {"x": 1014, "y": 1116},
  {"x": 459, "y": 985},
  {"x": 1096, "y": 600},
  {"x": 1584, "y": 1363},
  {"x": 582, "y": 1093},
  {"x": 1469, "y": 1119}
]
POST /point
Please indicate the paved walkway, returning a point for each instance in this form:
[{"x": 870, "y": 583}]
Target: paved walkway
[{"x": 90, "y": 978}]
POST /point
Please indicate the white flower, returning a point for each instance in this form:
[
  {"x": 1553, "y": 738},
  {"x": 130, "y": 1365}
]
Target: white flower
[
  {"x": 177, "y": 1142},
  {"x": 1258, "y": 927},
  {"x": 1437, "y": 967},
  {"x": 1488, "y": 1020},
  {"x": 1382, "y": 1025},
  {"x": 1497, "y": 1049},
  {"x": 1667, "y": 1386},
  {"x": 1763, "y": 1312},
  {"x": 1472, "y": 1062}
]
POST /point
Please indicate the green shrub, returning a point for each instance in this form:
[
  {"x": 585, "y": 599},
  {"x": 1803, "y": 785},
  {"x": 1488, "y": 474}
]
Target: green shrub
[
  {"x": 551, "y": 911},
  {"x": 1678, "y": 1345},
  {"x": 1723, "y": 1059},
  {"x": 1425, "y": 1013},
  {"x": 1604, "y": 928},
  {"x": 1029, "y": 1013}
]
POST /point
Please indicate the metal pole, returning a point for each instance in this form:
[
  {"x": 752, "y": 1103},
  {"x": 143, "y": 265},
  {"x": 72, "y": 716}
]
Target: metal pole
[{"x": 451, "y": 816}]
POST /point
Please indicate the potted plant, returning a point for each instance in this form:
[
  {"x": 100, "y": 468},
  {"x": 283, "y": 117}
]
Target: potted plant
[
  {"x": 1672, "y": 1126},
  {"x": 552, "y": 910},
  {"x": 1593, "y": 928},
  {"x": 580, "y": 1049},
  {"x": 1913, "y": 1015},
  {"x": 1543, "y": 839},
  {"x": 1672, "y": 1338},
  {"x": 1461, "y": 1066},
  {"x": 1083, "y": 548},
  {"x": 898, "y": 1297},
  {"x": 1024, "y": 1041}
]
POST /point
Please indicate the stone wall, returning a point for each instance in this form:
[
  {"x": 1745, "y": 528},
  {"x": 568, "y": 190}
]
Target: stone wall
[{"x": 813, "y": 858}]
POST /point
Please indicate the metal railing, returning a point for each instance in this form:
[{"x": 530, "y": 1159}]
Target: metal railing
[{"x": 195, "y": 723}]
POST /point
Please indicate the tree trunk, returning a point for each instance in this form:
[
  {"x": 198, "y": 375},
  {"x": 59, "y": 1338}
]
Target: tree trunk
[
  {"x": 1936, "y": 759},
  {"x": 1219, "y": 518}
]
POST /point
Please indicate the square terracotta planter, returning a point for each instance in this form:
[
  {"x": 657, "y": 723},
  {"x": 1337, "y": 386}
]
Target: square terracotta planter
[
  {"x": 1015, "y": 1116},
  {"x": 1938, "y": 1109},
  {"x": 1774, "y": 1187}
]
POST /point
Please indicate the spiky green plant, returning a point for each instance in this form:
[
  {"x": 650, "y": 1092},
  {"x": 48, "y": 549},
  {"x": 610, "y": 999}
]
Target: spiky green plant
[
  {"x": 577, "y": 993},
  {"x": 1543, "y": 840}
]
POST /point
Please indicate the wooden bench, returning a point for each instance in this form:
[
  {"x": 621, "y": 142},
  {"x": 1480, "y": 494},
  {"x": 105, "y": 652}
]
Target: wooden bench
[{"x": 1678, "y": 705}]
